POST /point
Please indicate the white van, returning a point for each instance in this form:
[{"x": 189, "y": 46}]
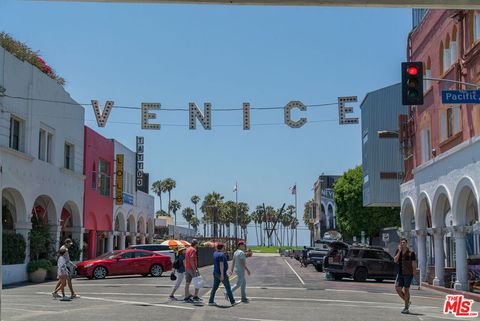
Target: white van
[{"x": 157, "y": 248}]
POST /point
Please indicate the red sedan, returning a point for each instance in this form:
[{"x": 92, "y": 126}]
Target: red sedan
[{"x": 125, "y": 262}]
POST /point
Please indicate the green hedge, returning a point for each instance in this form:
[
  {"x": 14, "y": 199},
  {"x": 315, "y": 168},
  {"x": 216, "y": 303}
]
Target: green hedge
[
  {"x": 13, "y": 248},
  {"x": 40, "y": 264}
]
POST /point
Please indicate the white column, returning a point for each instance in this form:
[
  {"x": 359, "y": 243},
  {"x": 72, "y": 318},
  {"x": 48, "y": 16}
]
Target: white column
[
  {"x": 133, "y": 238},
  {"x": 55, "y": 236},
  {"x": 461, "y": 259},
  {"x": 110, "y": 242},
  {"x": 150, "y": 239},
  {"x": 77, "y": 234},
  {"x": 438, "y": 234},
  {"x": 121, "y": 241},
  {"x": 422, "y": 252},
  {"x": 142, "y": 239},
  {"x": 24, "y": 229}
]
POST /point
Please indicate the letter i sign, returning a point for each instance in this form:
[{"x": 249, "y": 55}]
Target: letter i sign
[{"x": 459, "y": 306}]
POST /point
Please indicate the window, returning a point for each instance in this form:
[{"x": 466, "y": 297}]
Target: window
[
  {"x": 128, "y": 255},
  {"x": 69, "y": 156},
  {"x": 365, "y": 138},
  {"x": 428, "y": 74},
  {"x": 367, "y": 254},
  {"x": 426, "y": 147},
  {"x": 15, "y": 133},
  {"x": 453, "y": 47},
  {"x": 365, "y": 179},
  {"x": 45, "y": 142},
  {"x": 451, "y": 121},
  {"x": 142, "y": 254},
  {"x": 103, "y": 178},
  {"x": 476, "y": 27}
]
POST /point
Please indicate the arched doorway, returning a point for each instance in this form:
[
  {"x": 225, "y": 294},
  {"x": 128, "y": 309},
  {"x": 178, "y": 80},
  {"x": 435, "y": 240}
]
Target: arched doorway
[
  {"x": 44, "y": 236},
  {"x": 132, "y": 231},
  {"x": 119, "y": 230},
  {"x": 465, "y": 205},
  {"x": 141, "y": 230},
  {"x": 150, "y": 230}
]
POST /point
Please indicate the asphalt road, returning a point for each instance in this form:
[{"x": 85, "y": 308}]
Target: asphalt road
[{"x": 279, "y": 290}]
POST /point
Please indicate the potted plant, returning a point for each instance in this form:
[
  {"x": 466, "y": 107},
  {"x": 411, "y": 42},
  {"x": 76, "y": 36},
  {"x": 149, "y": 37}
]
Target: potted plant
[
  {"x": 39, "y": 243},
  {"x": 37, "y": 270},
  {"x": 53, "y": 270}
]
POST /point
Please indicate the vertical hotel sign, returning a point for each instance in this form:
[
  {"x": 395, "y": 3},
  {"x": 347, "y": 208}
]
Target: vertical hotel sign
[
  {"x": 140, "y": 141},
  {"x": 119, "y": 180}
]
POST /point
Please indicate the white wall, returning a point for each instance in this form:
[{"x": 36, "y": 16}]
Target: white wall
[{"x": 22, "y": 171}]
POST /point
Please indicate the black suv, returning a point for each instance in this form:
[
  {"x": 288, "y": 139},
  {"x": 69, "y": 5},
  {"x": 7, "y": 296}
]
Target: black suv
[{"x": 359, "y": 263}]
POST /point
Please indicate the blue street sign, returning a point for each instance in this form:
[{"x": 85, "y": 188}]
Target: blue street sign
[
  {"x": 461, "y": 97},
  {"x": 127, "y": 198}
]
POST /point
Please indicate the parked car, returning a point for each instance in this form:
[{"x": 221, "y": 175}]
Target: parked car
[
  {"x": 359, "y": 263},
  {"x": 157, "y": 248},
  {"x": 125, "y": 262},
  {"x": 317, "y": 254}
]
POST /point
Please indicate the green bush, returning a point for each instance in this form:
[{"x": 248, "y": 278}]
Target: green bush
[
  {"x": 13, "y": 248},
  {"x": 39, "y": 242},
  {"x": 33, "y": 266}
]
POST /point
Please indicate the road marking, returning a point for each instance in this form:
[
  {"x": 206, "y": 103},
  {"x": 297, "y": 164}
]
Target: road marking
[
  {"x": 298, "y": 276},
  {"x": 267, "y": 287},
  {"x": 249, "y": 319},
  {"x": 340, "y": 290},
  {"x": 328, "y": 300},
  {"x": 131, "y": 302}
]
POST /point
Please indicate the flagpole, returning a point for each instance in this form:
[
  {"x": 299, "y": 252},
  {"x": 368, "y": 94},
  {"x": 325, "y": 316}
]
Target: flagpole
[
  {"x": 236, "y": 212},
  {"x": 296, "y": 216}
]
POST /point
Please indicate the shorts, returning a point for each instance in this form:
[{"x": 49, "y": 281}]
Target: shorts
[
  {"x": 189, "y": 275},
  {"x": 403, "y": 281}
]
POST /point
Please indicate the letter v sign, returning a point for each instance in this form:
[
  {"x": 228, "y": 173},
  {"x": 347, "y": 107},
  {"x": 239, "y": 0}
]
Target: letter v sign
[{"x": 102, "y": 118}]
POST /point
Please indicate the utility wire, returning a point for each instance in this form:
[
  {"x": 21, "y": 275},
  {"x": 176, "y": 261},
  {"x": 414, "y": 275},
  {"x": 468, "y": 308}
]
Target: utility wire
[{"x": 163, "y": 109}]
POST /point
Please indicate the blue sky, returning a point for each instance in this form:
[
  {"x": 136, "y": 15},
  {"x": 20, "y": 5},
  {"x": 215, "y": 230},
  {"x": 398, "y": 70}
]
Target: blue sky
[{"x": 226, "y": 55}]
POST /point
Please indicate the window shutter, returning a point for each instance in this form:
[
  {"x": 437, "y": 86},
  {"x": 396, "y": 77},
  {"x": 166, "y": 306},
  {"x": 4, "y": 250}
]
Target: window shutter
[
  {"x": 457, "y": 119},
  {"x": 443, "y": 126}
]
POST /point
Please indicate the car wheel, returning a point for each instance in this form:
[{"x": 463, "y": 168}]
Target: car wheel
[
  {"x": 319, "y": 268},
  {"x": 156, "y": 270},
  {"x": 100, "y": 272},
  {"x": 360, "y": 274},
  {"x": 379, "y": 280}
]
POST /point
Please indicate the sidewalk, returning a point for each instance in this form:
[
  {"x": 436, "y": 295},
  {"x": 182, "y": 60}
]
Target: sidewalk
[{"x": 467, "y": 295}]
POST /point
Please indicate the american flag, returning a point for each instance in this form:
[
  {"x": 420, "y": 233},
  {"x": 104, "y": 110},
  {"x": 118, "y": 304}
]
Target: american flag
[{"x": 293, "y": 189}]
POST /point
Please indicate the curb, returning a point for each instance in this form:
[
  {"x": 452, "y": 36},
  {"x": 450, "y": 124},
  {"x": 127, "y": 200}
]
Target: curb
[{"x": 467, "y": 295}]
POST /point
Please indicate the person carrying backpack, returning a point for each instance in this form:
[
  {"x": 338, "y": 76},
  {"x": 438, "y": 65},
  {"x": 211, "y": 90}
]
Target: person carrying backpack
[{"x": 179, "y": 266}]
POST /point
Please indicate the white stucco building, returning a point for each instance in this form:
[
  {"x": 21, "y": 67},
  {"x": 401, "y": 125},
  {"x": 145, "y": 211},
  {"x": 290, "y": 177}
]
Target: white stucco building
[
  {"x": 41, "y": 156},
  {"x": 133, "y": 220}
]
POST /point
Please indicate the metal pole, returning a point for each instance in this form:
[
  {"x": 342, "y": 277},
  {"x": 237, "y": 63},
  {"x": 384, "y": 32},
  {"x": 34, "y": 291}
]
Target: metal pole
[
  {"x": 453, "y": 81},
  {"x": 236, "y": 212},
  {"x": 296, "y": 216}
]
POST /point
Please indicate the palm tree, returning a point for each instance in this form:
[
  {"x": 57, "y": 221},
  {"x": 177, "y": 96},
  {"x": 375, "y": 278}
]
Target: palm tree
[
  {"x": 168, "y": 185},
  {"x": 161, "y": 213},
  {"x": 293, "y": 226},
  {"x": 243, "y": 221},
  {"x": 255, "y": 219},
  {"x": 210, "y": 207},
  {"x": 195, "y": 222},
  {"x": 195, "y": 199},
  {"x": 306, "y": 218},
  {"x": 187, "y": 214},
  {"x": 243, "y": 209},
  {"x": 260, "y": 217},
  {"x": 174, "y": 206},
  {"x": 291, "y": 216},
  {"x": 157, "y": 189}
]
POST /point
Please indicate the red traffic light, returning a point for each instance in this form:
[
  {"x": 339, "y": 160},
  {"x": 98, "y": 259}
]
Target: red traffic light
[{"x": 412, "y": 70}]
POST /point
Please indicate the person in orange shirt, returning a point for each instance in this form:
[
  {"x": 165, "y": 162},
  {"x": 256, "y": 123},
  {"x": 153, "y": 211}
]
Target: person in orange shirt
[{"x": 191, "y": 271}]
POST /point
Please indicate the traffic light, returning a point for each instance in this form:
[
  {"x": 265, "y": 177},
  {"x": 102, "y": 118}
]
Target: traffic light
[{"x": 412, "y": 83}]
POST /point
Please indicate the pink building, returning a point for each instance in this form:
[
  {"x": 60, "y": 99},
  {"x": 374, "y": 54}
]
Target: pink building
[
  {"x": 98, "y": 171},
  {"x": 440, "y": 194}
]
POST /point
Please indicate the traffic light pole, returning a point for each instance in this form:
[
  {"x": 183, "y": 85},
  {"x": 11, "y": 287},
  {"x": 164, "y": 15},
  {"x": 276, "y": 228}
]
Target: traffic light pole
[{"x": 453, "y": 81}]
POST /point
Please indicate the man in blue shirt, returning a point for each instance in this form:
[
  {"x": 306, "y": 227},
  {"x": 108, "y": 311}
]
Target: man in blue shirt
[{"x": 220, "y": 268}]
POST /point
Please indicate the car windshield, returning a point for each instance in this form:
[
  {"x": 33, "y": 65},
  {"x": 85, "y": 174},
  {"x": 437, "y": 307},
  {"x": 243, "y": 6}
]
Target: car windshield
[{"x": 108, "y": 255}]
